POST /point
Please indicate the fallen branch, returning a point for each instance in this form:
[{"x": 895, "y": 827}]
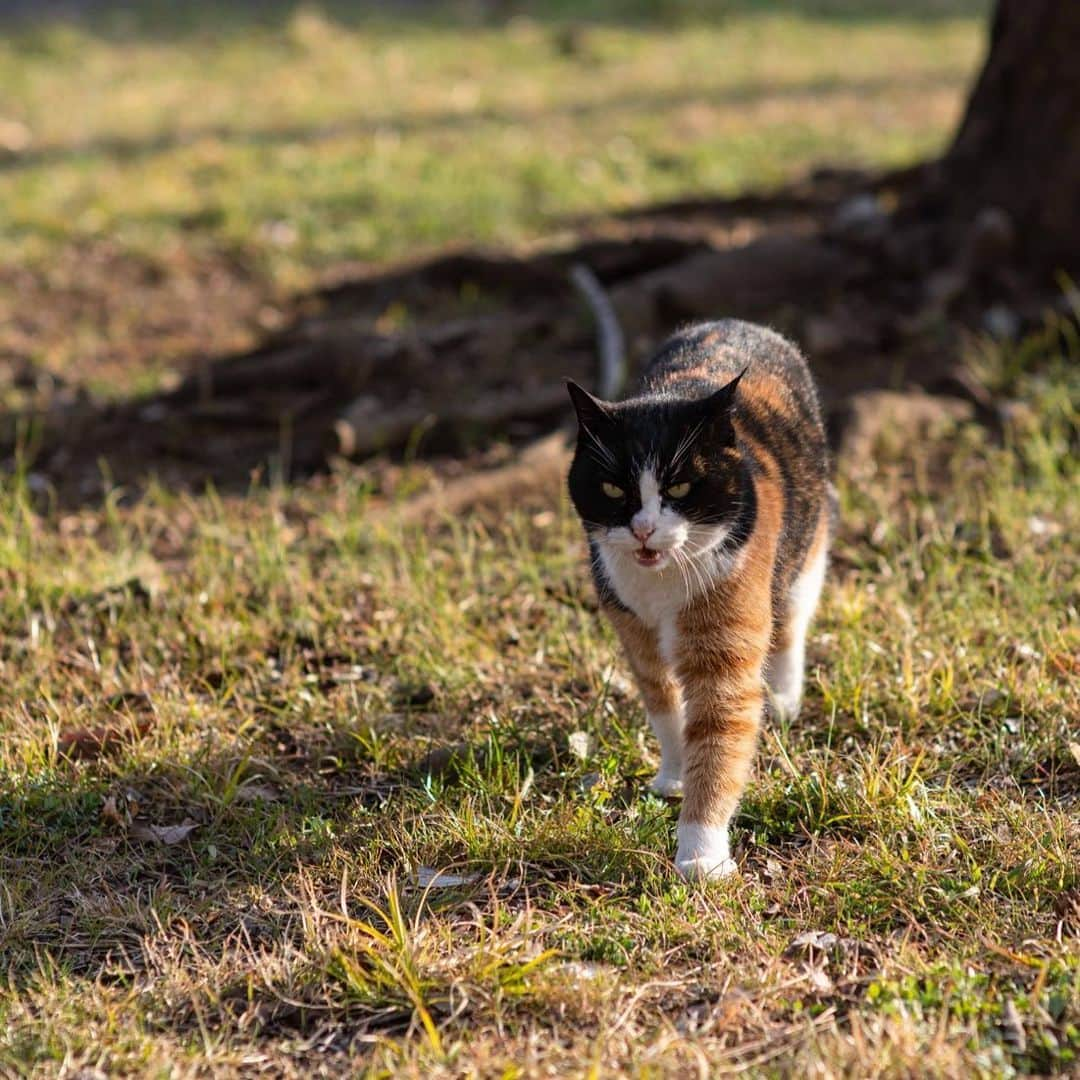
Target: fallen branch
[
  {"x": 538, "y": 470},
  {"x": 610, "y": 347},
  {"x": 364, "y": 427}
]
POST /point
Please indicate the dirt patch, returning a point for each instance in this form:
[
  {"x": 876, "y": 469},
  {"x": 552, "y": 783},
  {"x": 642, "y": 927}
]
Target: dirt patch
[
  {"x": 447, "y": 357},
  {"x": 97, "y": 317}
]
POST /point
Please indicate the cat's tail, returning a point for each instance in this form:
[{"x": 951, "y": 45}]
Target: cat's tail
[
  {"x": 540, "y": 469},
  {"x": 610, "y": 346}
]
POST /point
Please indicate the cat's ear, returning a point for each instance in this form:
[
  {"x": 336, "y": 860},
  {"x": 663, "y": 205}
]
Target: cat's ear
[
  {"x": 718, "y": 408},
  {"x": 721, "y": 402},
  {"x": 591, "y": 412}
]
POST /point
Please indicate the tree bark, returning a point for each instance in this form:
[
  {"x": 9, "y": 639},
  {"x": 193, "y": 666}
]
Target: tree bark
[{"x": 1018, "y": 146}]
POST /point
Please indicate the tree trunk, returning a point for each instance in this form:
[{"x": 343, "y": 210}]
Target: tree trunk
[{"x": 1018, "y": 146}]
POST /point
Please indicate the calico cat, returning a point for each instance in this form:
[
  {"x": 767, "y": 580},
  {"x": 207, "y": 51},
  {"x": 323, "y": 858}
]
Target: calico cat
[{"x": 707, "y": 507}]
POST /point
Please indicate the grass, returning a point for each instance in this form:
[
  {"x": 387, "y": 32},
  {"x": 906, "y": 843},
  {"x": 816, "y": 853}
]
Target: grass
[
  {"x": 320, "y": 710},
  {"x": 339, "y": 708},
  {"x": 309, "y": 135}
]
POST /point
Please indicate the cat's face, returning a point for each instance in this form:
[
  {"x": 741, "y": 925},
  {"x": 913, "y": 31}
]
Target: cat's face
[{"x": 656, "y": 482}]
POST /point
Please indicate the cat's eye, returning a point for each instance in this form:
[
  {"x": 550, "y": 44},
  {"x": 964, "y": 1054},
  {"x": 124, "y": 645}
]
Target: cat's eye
[
  {"x": 679, "y": 491},
  {"x": 613, "y": 491}
]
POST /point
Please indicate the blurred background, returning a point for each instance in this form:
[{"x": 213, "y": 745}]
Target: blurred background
[{"x": 169, "y": 173}]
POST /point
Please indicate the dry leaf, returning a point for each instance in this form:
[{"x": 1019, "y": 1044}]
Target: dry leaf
[
  {"x": 120, "y": 808},
  {"x": 162, "y": 834},
  {"x": 580, "y": 744},
  {"x": 113, "y": 812},
  {"x": 257, "y": 793},
  {"x": 1074, "y": 749},
  {"x": 426, "y": 877},
  {"x": 89, "y": 743}
]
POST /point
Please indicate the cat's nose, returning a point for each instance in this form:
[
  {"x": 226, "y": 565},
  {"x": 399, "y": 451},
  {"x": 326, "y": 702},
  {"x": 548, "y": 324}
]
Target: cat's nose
[{"x": 642, "y": 531}]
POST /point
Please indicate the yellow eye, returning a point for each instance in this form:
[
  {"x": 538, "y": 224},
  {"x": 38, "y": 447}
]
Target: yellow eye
[
  {"x": 679, "y": 491},
  {"x": 612, "y": 491}
]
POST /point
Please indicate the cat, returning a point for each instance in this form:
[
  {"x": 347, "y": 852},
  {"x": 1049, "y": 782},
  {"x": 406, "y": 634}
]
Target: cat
[{"x": 708, "y": 512}]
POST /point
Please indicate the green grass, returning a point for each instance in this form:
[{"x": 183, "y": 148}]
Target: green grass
[
  {"x": 300, "y": 137},
  {"x": 336, "y": 705}
]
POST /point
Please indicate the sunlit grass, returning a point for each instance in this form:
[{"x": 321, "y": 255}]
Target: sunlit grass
[
  {"x": 316, "y": 136},
  {"x": 339, "y": 707},
  {"x": 336, "y": 707}
]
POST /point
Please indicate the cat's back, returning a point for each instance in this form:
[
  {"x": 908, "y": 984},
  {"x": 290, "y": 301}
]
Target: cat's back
[
  {"x": 695, "y": 361},
  {"x": 777, "y": 405}
]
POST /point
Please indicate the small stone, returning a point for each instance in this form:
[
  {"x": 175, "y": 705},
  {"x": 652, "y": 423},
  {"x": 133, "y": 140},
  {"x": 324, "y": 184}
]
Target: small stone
[
  {"x": 1023, "y": 651},
  {"x": 1001, "y": 323},
  {"x": 580, "y": 744},
  {"x": 992, "y": 238},
  {"x": 1040, "y": 526},
  {"x": 427, "y": 877},
  {"x": 1012, "y": 1027},
  {"x": 861, "y": 217}
]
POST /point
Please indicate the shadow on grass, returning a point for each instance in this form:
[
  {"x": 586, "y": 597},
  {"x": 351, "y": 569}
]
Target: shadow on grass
[
  {"x": 509, "y": 328},
  {"x": 85, "y": 884}
]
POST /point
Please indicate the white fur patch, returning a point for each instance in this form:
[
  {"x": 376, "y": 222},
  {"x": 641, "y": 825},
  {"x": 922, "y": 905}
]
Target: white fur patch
[
  {"x": 656, "y": 594},
  {"x": 704, "y": 852},
  {"x": 785, "y": 670},
  {"x": 649, "y": 514},
  {"x": 668, "y": 729}
]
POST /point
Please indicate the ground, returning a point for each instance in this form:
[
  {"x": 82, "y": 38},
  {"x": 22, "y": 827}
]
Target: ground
[{"x": 243, "y": 729}]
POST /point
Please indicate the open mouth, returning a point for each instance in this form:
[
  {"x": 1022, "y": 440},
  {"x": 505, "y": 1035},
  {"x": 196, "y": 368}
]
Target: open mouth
[{"x": 647, "y": 557}]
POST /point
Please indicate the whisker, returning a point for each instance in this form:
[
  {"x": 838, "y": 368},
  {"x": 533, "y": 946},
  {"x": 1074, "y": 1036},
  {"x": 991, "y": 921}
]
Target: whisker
[
  {"x": 694, "y": 572},
  {"x": 699, "y": 575},
  {"x": 685, "y": 443},
  {"x": 691, "y": 569},
  {"x": 601, "y": 461},
  {"x": 606, "y": 454},
  {"x": 702, "y": 577},
  {"x": 681, "y": 565}
]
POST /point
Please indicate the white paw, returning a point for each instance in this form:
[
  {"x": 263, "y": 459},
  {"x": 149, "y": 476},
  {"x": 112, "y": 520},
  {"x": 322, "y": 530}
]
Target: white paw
[
  {"x": 705, "y": 869},
  {"x": 785, "y": 680},
  {"x": 703, "y": 853},
  {"x": 667, "y": 784},
  {"x": 786, "y": 706}
]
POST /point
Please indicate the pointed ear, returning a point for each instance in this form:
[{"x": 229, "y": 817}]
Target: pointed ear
[
  {"x": 718, "y": 408},
  {"x": 591, "y": 411},
  {"x": 724, "y": 398}
]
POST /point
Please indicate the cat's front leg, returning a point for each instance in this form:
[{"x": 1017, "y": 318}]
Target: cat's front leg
[
  {"x": 722, "y": 684},
  {"x": 659, "y": 693}
]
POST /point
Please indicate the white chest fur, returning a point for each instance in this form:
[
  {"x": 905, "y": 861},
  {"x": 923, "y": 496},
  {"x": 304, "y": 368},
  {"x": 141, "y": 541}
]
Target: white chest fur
[{"x": 657, "y": 597}]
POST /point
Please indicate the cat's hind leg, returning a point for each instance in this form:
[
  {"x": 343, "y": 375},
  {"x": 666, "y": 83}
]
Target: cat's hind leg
[
  {"x": 787, "y": 660},
  {"x": 660, "y": 694}
]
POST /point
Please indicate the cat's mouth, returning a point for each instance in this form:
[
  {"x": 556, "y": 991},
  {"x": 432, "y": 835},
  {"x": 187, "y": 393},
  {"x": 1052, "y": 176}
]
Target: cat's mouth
[{"x": 647, "y": 557}]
